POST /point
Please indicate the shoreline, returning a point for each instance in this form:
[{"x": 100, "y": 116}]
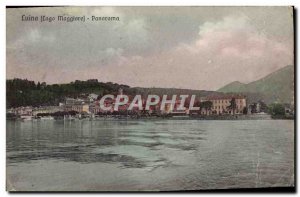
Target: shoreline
[{"x": 123, "y": 118}]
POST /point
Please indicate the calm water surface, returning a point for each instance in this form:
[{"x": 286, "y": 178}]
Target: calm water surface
[{"x": 149, "y": 155}]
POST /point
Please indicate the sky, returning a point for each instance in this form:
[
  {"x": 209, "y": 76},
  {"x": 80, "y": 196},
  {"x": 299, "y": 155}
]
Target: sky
[{"x": 202, "y": 48}]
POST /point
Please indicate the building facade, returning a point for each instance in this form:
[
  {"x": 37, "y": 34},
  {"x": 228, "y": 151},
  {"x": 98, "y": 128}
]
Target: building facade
[
  {"x": 77, "y": 107},
  {"x": 225, "y": 104}
]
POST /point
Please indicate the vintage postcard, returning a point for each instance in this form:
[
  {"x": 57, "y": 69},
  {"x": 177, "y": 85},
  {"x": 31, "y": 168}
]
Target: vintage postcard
[{"x": 150, "y": 98}]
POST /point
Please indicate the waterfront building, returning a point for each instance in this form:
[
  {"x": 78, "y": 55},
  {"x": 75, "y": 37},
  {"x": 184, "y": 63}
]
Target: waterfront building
[
  {"x": 94, "y": 108},
  {"x": 77, "y": 107},
  {"x": 22, "y": 111},
  {"x": 72, "y": 101},
  {"x": 92, "y": 97},
  {"x": 221, "y": 104}
]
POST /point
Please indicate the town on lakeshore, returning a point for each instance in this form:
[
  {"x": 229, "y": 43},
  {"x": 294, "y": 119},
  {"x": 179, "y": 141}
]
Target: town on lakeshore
[
  {"x": 150, "y": 98},
  {"x": 119, "y": 105}
]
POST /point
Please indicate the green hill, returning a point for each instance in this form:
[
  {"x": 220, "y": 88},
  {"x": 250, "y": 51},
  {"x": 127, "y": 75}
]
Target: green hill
[
  {"x": 235, "y": 86},
  {"x": 275, "y": 87},
  {"x": 22, "y": 92}
]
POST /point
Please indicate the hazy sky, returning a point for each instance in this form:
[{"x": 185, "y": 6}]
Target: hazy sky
[{"x": 181, "y": 47}]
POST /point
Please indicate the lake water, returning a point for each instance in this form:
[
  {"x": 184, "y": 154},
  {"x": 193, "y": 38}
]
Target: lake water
[{"x": 149, "y": 155}]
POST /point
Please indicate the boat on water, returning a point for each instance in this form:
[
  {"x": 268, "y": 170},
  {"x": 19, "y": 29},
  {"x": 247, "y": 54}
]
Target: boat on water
[
  {"x": 26, "y": 118},
  {"x": 47, "y": 118},
  {"x": 180, "y": 117},
  {"x": 69, "y": 117},
  {"x": 109, "y": 118},
  {"x": 36, "y": 119}
]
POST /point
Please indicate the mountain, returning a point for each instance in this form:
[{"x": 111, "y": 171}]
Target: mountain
[
  {"x": 275, "y": 87},
  {"x": 235, "y": 86}
]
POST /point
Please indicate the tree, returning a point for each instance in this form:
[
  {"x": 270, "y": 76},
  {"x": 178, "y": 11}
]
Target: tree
[
  {"x": 245, "y": 110},
  {"x": 263, "y": 106},
  {"x": 43, "y": 85},
  {"x": 277, "y": 109},
  {"x": 253, "y": 108},
  {"x": 232, "y": 105},
  {"x": 38, "y": 86},
  {"x": 207, "y": 105}
]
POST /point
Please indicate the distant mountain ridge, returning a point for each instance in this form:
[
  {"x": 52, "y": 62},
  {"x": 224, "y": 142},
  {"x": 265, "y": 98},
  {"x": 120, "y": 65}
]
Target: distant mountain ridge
[
  {"x": 275, "y": 87},
  {"x": 235, "y": 86}
]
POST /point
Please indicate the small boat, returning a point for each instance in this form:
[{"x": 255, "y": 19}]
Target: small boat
[
  {"x": 180, "y": 117},
  {"x": 26, "y": 118},
  {"x": 69, "y": 118},
  {"x": 36, "y": 118},
  {"x": 47, "y": 118}
]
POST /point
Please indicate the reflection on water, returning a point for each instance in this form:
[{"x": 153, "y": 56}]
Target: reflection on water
[{"x": 149, "y": 155}]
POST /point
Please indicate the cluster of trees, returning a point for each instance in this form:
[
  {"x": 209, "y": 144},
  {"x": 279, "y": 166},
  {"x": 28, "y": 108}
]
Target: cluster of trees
[
  {"x": 207, "y": 105},
  {"x": 277, "y": 110},
  {"x": 258, "y": 107},
  {"x": 23, "y": 92}
]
